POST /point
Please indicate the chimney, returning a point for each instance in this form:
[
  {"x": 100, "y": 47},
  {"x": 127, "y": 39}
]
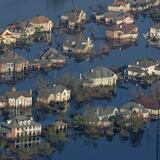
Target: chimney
[
  {"x": 92, "y": 70},
  {"x": 54, "y": 85},
  {"x": 80, "y": 76},
  {"x": 121, "y": 26},
  {"x": 13, "y": 89},
  {"x": 30, "y": 91}
]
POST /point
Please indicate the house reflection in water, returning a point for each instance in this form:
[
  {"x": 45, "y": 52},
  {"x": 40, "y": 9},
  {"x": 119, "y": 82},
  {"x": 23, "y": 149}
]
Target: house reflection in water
[{"x": 31, "y": 141}]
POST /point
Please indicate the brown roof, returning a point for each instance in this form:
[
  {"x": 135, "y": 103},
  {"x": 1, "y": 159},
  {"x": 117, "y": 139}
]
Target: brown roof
[
  {"x": 39, "y": 19},
  {"x": 148, "y": 102}
]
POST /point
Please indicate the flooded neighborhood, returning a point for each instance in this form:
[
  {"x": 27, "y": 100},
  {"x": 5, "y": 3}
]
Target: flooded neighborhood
[{"x": 79, "y": 79}]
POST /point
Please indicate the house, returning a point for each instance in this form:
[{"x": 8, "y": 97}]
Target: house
[
  {"x": 20, "y": 126},
  {"x": 3, "y": 102},
  {"x": 150, "y": 104},
  {"x": 10, "y": 61},
  {"x": 124, "y": 19},
  {"x": 73, "y": 18},
  {"x": 19, "y": 98},
  {"x": 106, "y": 113},
  {"x": 134, "y": 110},
  {"x": 60, "y": 126},
  {"x": 118, "y": 18},
  {"x": 142, "y": 67},
  {"x": 122, "y": 31},
  {"x": 21, "y": 29},
  {"x": 141, "y": 5},
  {"x": 119, "y": 5},
  {"x": 154, "y": 33},
  {"x": 55, "y": 93},
  {"x": 52, "y": 58},
  {"x": 135, "y": 71},
  {"x": 41, "y": 23},
  {"x": 78, "y": 44},
  {"x": 99, "y": 76},
  {"x": 7, "y": 38},
  {"x": 157, "y": 70}
]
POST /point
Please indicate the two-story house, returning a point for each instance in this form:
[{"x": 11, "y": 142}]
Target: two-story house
[
  {"x": 99, "y": 76},
  {"x": 10, "y": 61},
  {"x": 41, "y": 23},
  {"x": 20, "y": 126},
  {"x": 19, "y": 98},
  {"x": 54, "y": 94}
]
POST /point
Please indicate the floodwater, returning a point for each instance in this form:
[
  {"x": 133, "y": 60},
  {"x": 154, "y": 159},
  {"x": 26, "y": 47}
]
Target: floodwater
[{"x": 79, "y": 147}]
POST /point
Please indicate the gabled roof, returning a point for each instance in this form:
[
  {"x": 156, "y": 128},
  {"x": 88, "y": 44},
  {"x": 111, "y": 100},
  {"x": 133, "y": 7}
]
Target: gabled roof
[
  {"x": 51, "y": 90},
  {"x": 73, "y": 14},
  {"x": 9, "y": 56},
  {"x": 156, "y": 26},
  {"x": 15, "y": 94},
  {"x": 75, "y": 41},
  {"x": 157, "y": 67},
  {"x": 103, "y": 112},
  {"x": 131, "y": 105},
  {"x": 14, "y": 122},
  {"x": 51, "y": 53},
  {"x": 136, "y": 69},
  {"x": 146, "y": 62}
]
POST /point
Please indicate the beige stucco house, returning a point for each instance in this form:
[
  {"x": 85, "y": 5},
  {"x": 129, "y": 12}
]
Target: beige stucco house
[
  {"x": 150, "y": 104},
  {"x": 73, "y": 18},
  {"x": 143, "y": 67},
  {"x": 99, "y": 76},
  {"x": 20, "y": 126},
  {"x": 41, "y": 23},
  {"x": 55, "y": 93},
  {"x": 122, "y": 31},
  {"x": 119, "y": 6},
  {"x": 19, "y": 98},
  {"x": 10, "y": 61},
  {"x": 7, "y": 38}
]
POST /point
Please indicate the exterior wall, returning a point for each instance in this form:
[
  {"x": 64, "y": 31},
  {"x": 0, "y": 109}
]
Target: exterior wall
[
  {"x": 102, "y": 82},
  {"x": 121, "y": 35},
  {"x": 127, "y": 20},
  {"x": 154, "y": 33},
  {"x": 20, "y": 101},
  {"x": 45, "y": 27},
  {"x": 124, "y": 8},
  {"x": 2, "y": 104},
  {"x": 157, "y": 72},
  {"x": 152, "y": 111},
  {"x": 10, "y": 67},
  {"x": 28, "y": 130},
  {"x": 131, "y": 73},
  {"x": 59, "y": 97},
  {"x": 150, "y": 70}
]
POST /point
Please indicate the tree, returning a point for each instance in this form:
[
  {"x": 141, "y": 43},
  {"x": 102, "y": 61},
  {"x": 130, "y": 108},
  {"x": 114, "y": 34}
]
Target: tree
[
  {"x": 78, "y": 122},
  {"x": 54, "y": 137}
]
